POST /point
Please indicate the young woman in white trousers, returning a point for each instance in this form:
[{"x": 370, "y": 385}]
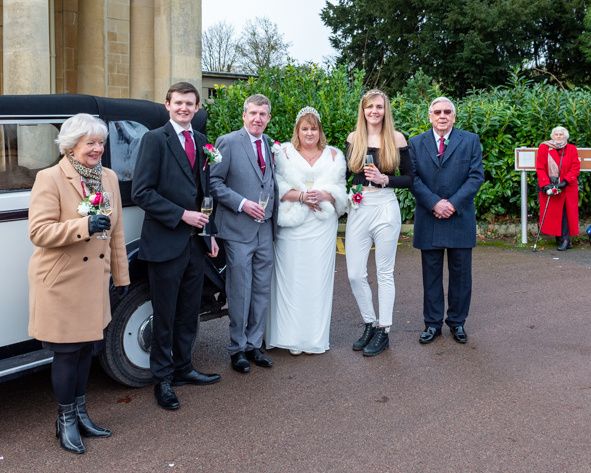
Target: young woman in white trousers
[{"x": 374, "y": 215}]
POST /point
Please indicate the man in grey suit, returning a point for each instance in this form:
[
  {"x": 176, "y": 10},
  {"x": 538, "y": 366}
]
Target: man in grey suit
[
  {"x": 448, "y": 173},
  {"x": 246, "y": 227}
]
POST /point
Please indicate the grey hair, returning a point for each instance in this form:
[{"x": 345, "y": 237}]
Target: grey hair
[
  {"x": 74, "y": 128},
  {"x": 562, "y": 129},
  {"x": 443, "y": 99},
  {"x": 257, "y": 99}
]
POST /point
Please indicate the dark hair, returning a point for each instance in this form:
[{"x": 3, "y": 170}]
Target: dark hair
[{"x": 182, "y": 88}]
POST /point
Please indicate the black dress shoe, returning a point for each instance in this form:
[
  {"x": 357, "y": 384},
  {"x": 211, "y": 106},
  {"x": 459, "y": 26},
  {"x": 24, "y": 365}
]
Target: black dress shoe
[
  {"x": 195, "y": 377},
  {"x": 259, "y": 358},
  {"x": 165, "y": 396},
  {"x": 429, "y": 334},
  {"x": 459, "y": 334},
  {"x": 239, "y": 362}
]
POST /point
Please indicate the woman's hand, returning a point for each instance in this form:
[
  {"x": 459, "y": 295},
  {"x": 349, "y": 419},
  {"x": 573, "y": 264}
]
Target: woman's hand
[{"x": 373, "y": 174}]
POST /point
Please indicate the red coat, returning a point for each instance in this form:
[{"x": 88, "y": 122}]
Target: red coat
[{"x": 569, "y": 197}]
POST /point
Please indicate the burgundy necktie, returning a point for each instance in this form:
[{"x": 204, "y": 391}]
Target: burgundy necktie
[
  {"x": 441, "y": 146},
  {"x": 262, "y": 164},
  {"x": 189, "y": 147}
]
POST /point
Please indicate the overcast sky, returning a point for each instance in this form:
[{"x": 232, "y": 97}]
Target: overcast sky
[{"x": 298, "y": 20}]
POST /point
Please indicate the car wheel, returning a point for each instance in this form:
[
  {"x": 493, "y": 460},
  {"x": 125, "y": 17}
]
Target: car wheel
[{"x": 126, "y": 357}]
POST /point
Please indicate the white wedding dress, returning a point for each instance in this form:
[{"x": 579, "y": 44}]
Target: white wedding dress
[{"x": 305, "y": 247}]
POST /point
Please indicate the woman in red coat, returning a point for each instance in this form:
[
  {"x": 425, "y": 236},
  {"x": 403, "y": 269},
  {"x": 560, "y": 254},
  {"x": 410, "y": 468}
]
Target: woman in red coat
[{"x": 558, "y": 168}]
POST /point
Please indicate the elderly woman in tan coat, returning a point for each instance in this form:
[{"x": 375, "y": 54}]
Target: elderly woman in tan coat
[{"x": 70, "y": 268}]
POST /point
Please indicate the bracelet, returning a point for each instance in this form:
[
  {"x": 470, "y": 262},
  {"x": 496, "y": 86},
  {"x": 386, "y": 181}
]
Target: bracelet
[{"x": 301, "y": 199}]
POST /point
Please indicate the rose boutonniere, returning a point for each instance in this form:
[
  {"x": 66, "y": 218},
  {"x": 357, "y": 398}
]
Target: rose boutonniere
[
  {"x": 275, "y": 146},
  {"x": 90, "y": 204},
  {"x": 356, "y": 195},
  {"x": 212, "y": 155}
]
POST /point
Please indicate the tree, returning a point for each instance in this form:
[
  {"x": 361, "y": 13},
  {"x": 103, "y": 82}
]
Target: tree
[
  {"x": 219, "y": 48},
  {"x": 462, "y": 45},
  {"x": 261, "y": 45}
]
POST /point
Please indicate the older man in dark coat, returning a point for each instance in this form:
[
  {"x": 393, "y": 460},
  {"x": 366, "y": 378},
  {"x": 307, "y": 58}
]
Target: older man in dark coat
[{"x": 448, "y": 173}]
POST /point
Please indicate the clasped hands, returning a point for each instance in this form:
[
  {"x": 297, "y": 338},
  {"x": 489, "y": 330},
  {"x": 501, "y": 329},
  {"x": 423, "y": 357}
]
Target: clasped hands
[
  {"x": 313, "y": 197},
  {"x": 443, "y": 209}
]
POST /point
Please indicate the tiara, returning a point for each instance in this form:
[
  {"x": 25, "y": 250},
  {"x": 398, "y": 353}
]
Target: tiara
[{"x": 306, "y": 111}]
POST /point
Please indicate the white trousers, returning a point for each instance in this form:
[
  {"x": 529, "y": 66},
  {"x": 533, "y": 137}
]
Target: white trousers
[{"x": 376, "y": 221}]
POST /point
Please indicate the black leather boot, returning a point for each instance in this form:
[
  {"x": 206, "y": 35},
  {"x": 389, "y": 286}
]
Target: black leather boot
[
  {"x": 85, "y": 424},
  {"x": 365, "y": 338},
  {"x": 565, "y": 244},
  {"x": 378, "y": 343},
  {"x": 66, "y": 429}
]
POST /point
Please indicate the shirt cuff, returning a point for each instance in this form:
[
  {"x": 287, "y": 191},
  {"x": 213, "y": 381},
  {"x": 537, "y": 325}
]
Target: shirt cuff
[{"x": 241, "y": 204}]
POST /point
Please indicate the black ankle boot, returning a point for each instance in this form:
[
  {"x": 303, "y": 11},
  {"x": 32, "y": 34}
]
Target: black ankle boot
[
  {"x": 565, "y": 244},
  {"x": 378, "y": 343},
  {"x": 85, "y": 424},
  {"x": 368, "y": 332},
  {"x": 66, "y": 429}
]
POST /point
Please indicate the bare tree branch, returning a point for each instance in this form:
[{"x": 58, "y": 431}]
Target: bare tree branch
[
  {"x": 261, "y": 45},
  {"x": 219, "y": 48}
]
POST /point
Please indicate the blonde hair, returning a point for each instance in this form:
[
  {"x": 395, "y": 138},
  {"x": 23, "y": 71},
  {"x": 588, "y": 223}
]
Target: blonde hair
[
  {"x": 312, "y": 120},
  {"x": 389, "y": 157}
]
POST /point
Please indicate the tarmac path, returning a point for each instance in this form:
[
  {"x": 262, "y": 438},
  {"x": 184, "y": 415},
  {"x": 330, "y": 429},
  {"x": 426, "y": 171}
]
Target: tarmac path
[{"x": 515, "y": 399}]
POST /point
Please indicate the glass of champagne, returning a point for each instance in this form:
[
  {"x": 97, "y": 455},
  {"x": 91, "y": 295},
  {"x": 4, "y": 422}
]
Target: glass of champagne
[
  {"x": 369, "y": 162},
  {"x": 105, "y": 208},
  {"x": 207, "y": 209},
  {"x": 309, "y": 182},
  {"x": 263, "y": 201}
]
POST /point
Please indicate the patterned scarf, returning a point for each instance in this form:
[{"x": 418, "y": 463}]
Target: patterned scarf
[{"x": 91, "y": 176}]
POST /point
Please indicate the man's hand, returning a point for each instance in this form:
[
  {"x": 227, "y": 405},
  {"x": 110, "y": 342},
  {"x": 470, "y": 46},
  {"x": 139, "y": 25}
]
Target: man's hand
[
  {"x": 194, "y": 218},
  {"x": 443, "y": 209},
  {"x": 253, "y": 209},
  {"x": 214, "y": 248}
]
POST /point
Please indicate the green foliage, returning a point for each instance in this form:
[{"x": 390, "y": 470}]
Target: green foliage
[
  {"x": 464, "y": 44},
  {"x": 521, "y": 113}
]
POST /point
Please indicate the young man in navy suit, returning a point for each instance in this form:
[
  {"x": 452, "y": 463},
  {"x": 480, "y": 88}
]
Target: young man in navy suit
[
  {"x": 169, "y": 183},
  {"x": 448, "y": 173}
]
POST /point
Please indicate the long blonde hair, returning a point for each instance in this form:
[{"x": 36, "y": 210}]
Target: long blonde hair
[{"x": 389, "y": 157}]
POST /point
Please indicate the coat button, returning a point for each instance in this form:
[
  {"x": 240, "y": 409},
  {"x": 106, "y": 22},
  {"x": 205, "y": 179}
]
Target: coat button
[
  {"x": 101, "y": 256},
  {"x": 85, "y": 258}
]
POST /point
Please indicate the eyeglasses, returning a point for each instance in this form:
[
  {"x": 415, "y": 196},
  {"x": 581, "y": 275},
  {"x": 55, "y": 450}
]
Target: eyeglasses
[{"x": 447, "y": 111}]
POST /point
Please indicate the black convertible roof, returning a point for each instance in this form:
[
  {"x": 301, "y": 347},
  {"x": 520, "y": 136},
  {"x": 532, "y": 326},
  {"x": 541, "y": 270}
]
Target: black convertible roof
[{"x": 150, "y": 114}]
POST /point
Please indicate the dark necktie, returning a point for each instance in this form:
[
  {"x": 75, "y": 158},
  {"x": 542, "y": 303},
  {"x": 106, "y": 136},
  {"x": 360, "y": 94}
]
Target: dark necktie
[
  {"x": 189, "y": 147},
  {"x": 441, "y": 146},
  {"x": 262, "y": 164}
]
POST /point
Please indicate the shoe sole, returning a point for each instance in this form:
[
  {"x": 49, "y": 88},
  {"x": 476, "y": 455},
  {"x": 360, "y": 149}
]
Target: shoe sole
[
  {"x": 378, "y": 352},
  {"x": 426, "y": 342},
  {"x": 200, "y": 383},
  {"x": 169, "y": 408}
]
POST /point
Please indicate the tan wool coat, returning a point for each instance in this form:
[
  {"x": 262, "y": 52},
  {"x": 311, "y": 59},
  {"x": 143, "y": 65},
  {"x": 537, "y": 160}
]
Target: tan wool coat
[{"x": 69, "y": 271}]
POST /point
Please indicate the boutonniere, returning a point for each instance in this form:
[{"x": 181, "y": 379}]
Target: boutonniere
[
  {"x": 356, "y": 195},
  {"x": 212, "y": 155},
  {"x": 446, "y": 142},
  {"x": 90, "y": 204},
  {"x": 275, "y": 146}
]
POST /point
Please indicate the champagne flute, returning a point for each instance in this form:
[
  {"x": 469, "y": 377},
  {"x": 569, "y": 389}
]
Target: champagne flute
[
  {"x": 369, "y": 162},
  {"x": 207, "y": 209},
  {"x": 309, "y": 182},
  {"x": 263, "y": 201},
  {"x": 105, "y": 208}
]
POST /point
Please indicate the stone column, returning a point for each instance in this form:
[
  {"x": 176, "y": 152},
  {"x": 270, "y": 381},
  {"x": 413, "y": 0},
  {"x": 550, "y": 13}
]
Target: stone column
[
  {"x": 25, "y": 38},
  {"x": 142, "y": 50},
  {"x": 177, "y": 48},
  {"x": 91, "y": 47}
]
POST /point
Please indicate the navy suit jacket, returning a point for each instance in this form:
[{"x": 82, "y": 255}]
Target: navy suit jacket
[
  {"x": 164, "y": 186},
  {"x": 456, "y": 176}
]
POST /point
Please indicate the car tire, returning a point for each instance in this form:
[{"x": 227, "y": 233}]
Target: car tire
[{"x": 126, "y": 355}]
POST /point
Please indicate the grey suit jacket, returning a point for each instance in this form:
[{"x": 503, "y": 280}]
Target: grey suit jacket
[
  {"x": 237, "y": 177},
  {"x": 456, "y": 176}
]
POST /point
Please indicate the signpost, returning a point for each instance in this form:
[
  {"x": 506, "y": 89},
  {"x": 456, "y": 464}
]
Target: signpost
[{"x": 525, "y": 161}]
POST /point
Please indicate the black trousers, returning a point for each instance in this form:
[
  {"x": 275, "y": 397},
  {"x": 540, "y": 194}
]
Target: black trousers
[
  {"x": 175, "y": 287},
  {"x": 459, "y": 291}
]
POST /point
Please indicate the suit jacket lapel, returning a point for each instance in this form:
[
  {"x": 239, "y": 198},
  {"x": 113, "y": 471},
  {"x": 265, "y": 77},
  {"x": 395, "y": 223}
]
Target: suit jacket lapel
[
  {"x": 430, "y": 147},
  {"x": 454, "y": 140},
  {"x": 177, "y": 151},
  {"x": 247, "y": 145}
]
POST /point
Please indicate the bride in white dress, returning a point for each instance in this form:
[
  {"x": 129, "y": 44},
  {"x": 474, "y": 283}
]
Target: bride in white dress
[{"x": 311, "y": 182}]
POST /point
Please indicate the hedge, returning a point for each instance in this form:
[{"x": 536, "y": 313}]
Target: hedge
[{"x": 519, "y": 114}]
